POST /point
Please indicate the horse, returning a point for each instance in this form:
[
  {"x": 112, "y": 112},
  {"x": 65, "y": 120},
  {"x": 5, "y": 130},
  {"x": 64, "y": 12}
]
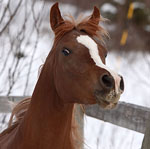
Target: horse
[{"x": 74, "y": 72}]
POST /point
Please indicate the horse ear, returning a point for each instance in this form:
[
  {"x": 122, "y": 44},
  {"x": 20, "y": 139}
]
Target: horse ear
[
  {"x": 95, "y": 17},
  {"x": 55, "y": 17}
]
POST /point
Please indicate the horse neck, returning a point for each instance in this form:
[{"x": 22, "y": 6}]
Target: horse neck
[{"x": 47, "y": 123}]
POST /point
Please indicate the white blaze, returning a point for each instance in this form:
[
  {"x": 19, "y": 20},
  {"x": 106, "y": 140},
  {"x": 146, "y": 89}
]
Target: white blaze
[{"x": 93, "y": 50}]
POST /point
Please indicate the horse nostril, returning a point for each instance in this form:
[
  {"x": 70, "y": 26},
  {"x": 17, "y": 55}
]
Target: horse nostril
[
  {"x": 107, "y": 81},
  {"x": 122, "y": 84}
]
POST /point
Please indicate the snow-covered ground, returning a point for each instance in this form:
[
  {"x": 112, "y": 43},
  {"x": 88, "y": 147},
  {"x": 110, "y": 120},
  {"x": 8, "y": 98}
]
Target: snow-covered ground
[{"x": 134, "y": 67}]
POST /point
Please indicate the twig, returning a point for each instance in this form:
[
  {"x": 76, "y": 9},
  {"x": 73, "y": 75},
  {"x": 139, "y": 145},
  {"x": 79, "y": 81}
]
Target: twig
[{"x": 11, "y": 17}]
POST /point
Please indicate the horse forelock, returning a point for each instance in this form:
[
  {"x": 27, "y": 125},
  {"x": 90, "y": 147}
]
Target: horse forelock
[{"x": 81, "y": 24}]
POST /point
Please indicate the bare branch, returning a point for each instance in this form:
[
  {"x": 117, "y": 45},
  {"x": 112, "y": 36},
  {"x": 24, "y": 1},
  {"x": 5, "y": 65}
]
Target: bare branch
[{"x": 11, "y": 17}]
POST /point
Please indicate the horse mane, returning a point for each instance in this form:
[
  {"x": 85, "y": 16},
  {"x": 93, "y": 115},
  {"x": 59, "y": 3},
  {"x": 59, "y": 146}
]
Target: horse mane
[
  {"x": 85, "y": 25},
  {"x": 19, "y": 112}
]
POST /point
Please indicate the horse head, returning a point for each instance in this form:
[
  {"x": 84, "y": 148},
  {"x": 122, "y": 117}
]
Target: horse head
[{"x": 80, "y": 73}]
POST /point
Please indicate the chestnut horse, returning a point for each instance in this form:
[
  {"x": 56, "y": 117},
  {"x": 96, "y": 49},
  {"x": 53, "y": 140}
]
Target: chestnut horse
[{"x": 74, "y": 72}]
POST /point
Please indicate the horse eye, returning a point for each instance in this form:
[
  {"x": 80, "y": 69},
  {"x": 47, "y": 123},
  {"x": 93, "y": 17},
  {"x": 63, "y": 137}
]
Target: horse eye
[
  {"x": 105, "y": 55},
  {"x": 66, "y": 51}
]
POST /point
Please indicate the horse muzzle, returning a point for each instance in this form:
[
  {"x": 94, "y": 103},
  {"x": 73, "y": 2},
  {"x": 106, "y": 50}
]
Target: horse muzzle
[{"x": 108, "y": 97}]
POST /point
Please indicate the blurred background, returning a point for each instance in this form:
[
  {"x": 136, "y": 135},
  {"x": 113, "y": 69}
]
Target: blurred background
[{"x": 26, "y": 38}]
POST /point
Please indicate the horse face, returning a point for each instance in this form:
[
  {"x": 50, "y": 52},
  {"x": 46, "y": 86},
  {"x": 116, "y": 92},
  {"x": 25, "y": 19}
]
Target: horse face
[{"x": 81, "y": 75}]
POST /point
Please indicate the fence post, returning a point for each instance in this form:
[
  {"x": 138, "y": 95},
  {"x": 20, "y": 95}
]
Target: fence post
[
  {"x": 146, "y": 140},
  {"x": 79, "y": 116}
]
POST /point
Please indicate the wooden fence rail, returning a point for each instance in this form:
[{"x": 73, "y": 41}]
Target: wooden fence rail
[{"x": 126, "y": 115}]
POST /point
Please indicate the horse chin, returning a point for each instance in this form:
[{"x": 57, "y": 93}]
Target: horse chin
[
  {"x": 107, "y": 101},
  {"x": 106, "y": 105}
]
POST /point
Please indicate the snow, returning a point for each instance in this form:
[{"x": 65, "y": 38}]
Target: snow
[
  {"x": 138, "y": 5},
  {"x": 121, "y": 2},
  {"x": 134, "y": 67},
  {"x": 103, "y": 135},
  {"x": 107, "y": 7},
  {"x": 147, "y": 28}
]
